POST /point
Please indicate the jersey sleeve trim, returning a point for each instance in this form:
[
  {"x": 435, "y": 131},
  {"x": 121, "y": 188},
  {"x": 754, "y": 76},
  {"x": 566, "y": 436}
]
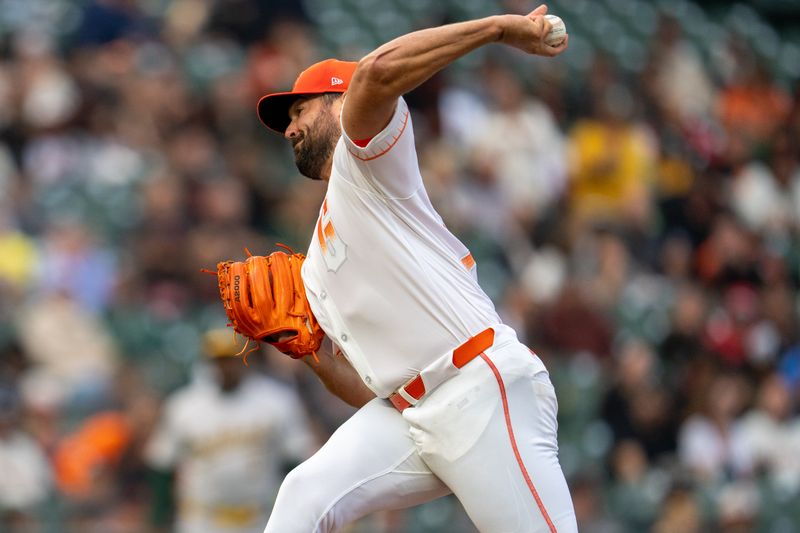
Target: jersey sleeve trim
[
  {"x": 370, "y": 149},
  {"x": 468, "y": 261},
  {"x": 386, "y": 148}
]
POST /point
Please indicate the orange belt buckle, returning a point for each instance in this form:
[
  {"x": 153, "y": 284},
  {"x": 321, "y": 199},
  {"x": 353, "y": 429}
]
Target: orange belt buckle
[{"x": 415, "y": 387}]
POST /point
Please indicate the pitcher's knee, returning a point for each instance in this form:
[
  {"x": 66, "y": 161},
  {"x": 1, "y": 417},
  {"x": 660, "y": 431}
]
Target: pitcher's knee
[{"x": 300, "y": 503}]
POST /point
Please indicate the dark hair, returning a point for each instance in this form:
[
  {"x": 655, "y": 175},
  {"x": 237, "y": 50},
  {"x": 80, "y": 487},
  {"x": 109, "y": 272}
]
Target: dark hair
[{"x": 329, "y": 98}]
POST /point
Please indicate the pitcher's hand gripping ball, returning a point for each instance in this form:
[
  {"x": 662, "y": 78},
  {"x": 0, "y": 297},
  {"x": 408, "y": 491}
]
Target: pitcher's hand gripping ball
[{"x": 265, "y": 300}]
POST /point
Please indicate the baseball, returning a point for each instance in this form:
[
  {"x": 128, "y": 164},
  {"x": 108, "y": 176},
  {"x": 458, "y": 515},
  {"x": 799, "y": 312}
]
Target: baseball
[{"x": 557, "y": 32}]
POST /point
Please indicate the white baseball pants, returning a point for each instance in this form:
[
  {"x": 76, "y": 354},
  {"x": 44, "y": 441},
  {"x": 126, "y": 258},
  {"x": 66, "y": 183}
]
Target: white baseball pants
[{"x": 488, "y": 435}]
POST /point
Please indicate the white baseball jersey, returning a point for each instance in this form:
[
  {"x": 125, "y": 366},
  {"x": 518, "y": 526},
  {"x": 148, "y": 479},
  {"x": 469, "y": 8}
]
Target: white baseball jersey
[
  {"x": 26, "y": 478},
  {"x": 385, "y": 278},
  {"x": 228, "y": 450}
]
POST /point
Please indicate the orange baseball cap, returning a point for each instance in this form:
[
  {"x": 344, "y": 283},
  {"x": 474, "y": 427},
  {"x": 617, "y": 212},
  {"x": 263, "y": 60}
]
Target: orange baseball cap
[{"x": 329, "y": 76}]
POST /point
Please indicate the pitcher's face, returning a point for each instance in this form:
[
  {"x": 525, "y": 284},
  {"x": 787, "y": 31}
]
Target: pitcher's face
[{"x": 313, "y": 131}]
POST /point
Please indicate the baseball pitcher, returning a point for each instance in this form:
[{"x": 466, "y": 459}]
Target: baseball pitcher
[{"x": 450, "y": 400}]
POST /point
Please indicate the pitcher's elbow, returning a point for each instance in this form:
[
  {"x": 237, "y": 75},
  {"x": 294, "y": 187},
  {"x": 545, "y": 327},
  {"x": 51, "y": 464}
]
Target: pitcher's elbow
[{"x": 375, "y": 71}]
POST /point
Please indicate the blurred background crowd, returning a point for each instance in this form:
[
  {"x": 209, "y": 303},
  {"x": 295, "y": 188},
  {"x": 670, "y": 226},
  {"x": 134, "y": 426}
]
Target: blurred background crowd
[{"x": 633, "y": 207}]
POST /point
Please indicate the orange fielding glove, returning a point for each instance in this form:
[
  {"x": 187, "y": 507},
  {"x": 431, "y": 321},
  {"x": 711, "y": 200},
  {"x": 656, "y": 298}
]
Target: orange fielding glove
[{"x": 265, "y": 300}]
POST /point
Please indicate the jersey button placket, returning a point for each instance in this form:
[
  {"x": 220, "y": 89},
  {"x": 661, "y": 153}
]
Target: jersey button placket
[
  {"x": 323, "y": 295},
  {"x": 343, "y": 337}
]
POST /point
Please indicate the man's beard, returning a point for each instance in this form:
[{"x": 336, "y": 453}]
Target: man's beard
[{"x": 317, "y": 146}]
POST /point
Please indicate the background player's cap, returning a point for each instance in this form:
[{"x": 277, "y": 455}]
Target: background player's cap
[
  {"x": 329, "y": 76},
  {"x": 222, "y": 343}
]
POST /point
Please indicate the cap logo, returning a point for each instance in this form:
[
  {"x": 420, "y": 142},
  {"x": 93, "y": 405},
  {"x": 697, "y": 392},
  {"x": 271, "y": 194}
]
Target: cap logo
[{"x": 337, "y": 81}]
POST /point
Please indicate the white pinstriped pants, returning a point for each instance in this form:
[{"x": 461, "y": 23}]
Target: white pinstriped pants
[{"x": 488, "y": 435}]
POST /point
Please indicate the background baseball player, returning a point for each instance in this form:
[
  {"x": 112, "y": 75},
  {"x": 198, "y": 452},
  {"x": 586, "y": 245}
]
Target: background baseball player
[
  {"x": 229, "y": 437},
  {"x": 398, "y": 294}
]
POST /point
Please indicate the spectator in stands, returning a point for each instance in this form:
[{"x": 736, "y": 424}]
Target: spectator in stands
[
  {"x": 636, "y": 407},
  {"x": 752, "y": 107},
  {"x": 74, "y": 265},
  {"x": 680, "y": 511},
  {"x": 520, "y": 143},
  {"x": 766, "y": 197},
  {"x": 682, "y": 86},
  {"x": 712, "y": 443},
  {"x": 589, "y": 503},
  {"x": 27, "y": 480},
  {"x": 612, "y": 161},
  {"x": 773, "y": 434},
  {"x": 738, "y": 507},
  {"x": 637, "y": 489}
]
